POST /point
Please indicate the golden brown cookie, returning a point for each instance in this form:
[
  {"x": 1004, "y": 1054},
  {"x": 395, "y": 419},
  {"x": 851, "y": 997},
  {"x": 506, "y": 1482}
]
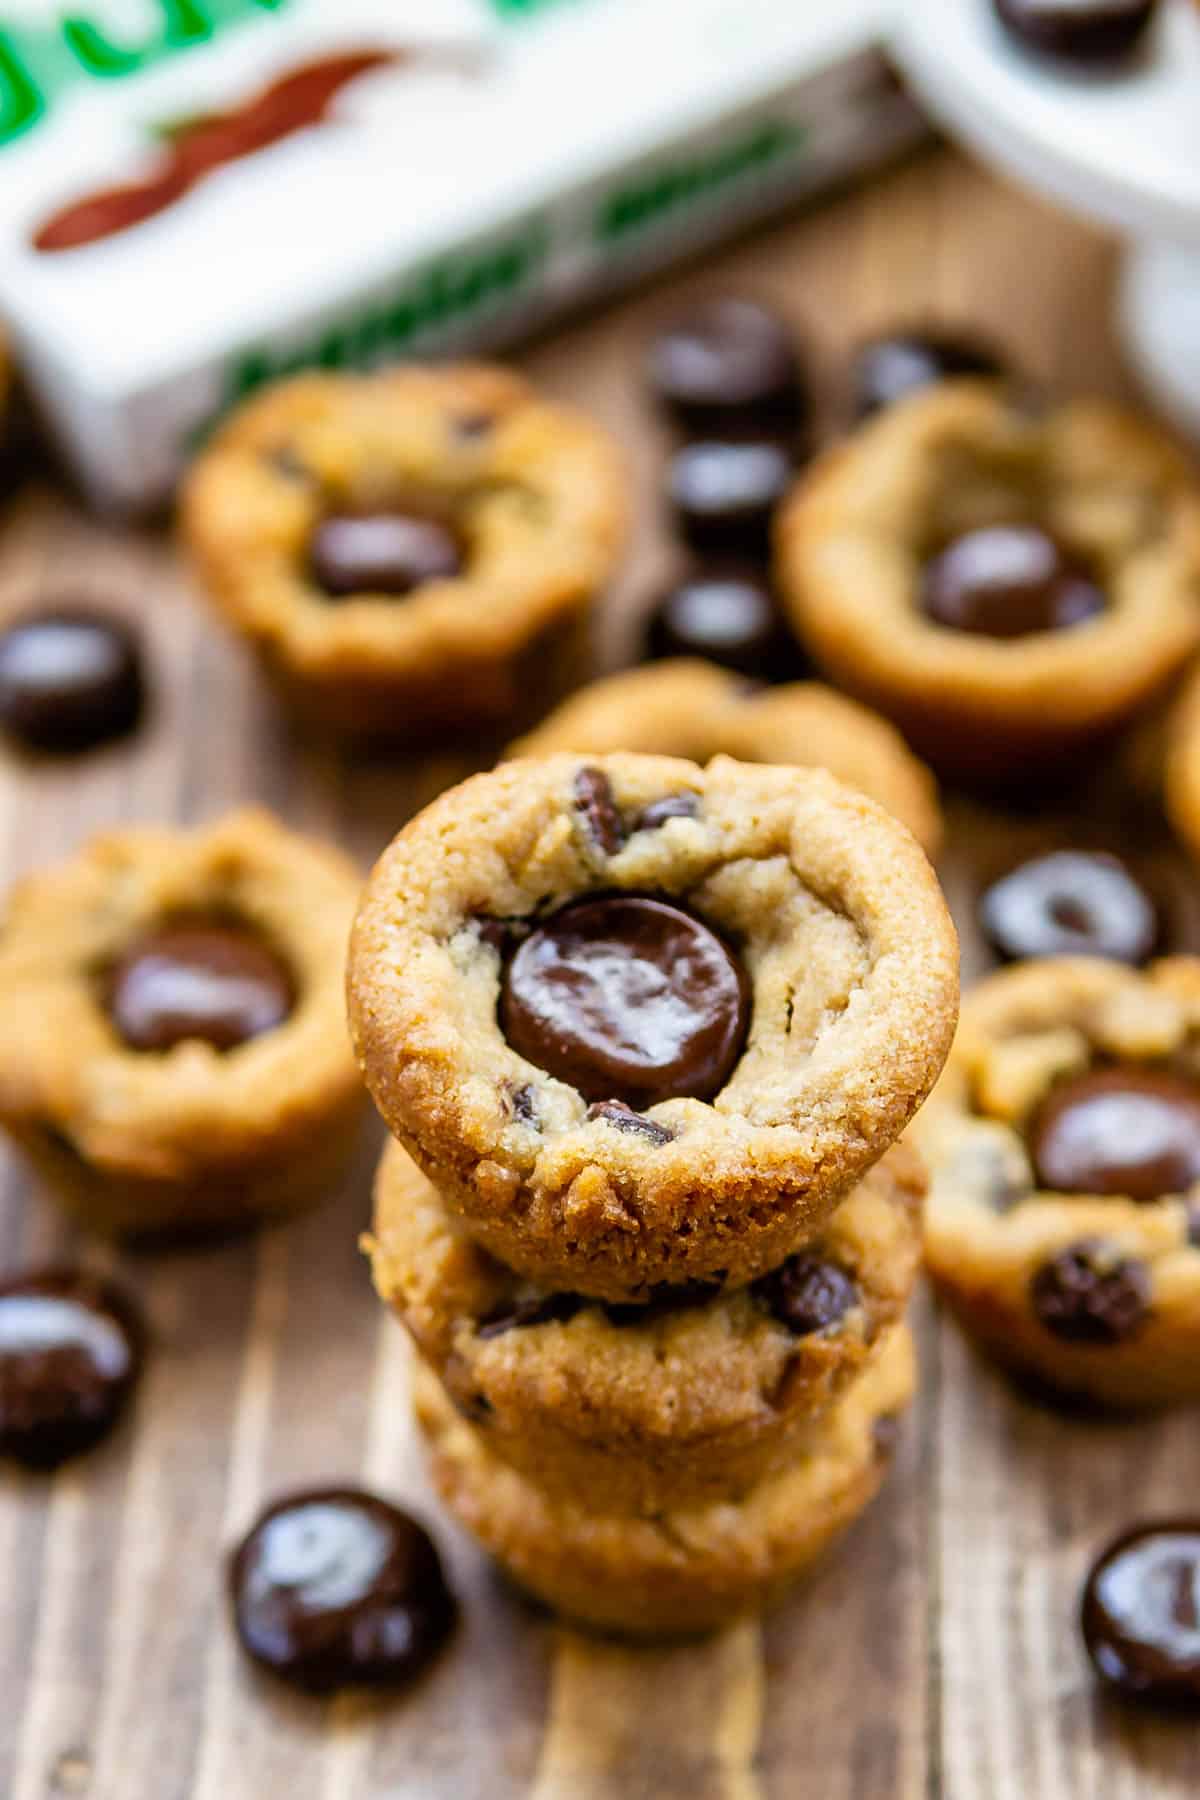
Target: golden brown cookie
[
  {"x": 404, "y": 549},
  {"x": 173, "y": 1049},
  {"x": 691, "y": 708},
  {"x": 690, "y": 1569},
  {"x": 692, "y": 1397},
  {"x": 643, "y": 1023},
  {"x": 1063, "y": 1144},
  {"x": 1008, "y": 584}
]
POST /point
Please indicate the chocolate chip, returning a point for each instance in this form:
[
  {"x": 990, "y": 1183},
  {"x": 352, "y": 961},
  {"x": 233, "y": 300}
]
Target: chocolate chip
[
  {"x": 382, "y": 553},
  {"x": 539, "y": 1309},
  {"x": 623, "y": 1118},
  {"x": 594, "y": 800},
  {"x": 1127, "y": 1130},
  {"x": 1086, "y": 1296},
  {"x": 723, "y": 494},
  {"x": 524, "y": 1105},
  {"x": 1081, "y": 31},
  {"x": 728, "y": 616},
  {"x": 1007, "y": 581},
  {"x": 1141, "y": 1614},
  {"x": 727, "y": 362},
  {"x": 806, "y": 1294},
  {"x": 627, "y": 997},
  {"x": 1070, "y": 903},
  {"x": 69, "y": 680},
  {"x": 198, "y": 979},
  {"x": 335, "y": 1588},
  {"x": 899, "y": 363},
  {"x": 671, "y": 806},
  {"x": 71, "y": 1348}
]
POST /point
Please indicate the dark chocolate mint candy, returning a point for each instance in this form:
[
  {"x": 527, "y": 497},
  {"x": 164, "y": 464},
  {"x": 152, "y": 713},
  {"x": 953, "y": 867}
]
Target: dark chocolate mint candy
[
  {"x": 727, "y": 362},
  {"x": 723, "y": 494},
  {"x": 728, "y": 616},
  {"x": 1133, "y": 1131},
  {"x": 671, "y": 806},
  {"x": 69, "y": 680},
  {"x": 595, "y": 802},
  {"x": 198, "y": 979},
  {"x": 335, "y": 1588},
  {"x": 1086, "y": 1295},
  {"x": 71, "y": 1346},
  {"x": 382, "y": 553},
  {"x": 1070, "y": 903},
  {"x": 1078, "y": 31},
  {"x": 807, "y": 1294},
  {"x": 898, "y": 363},
  {"x": 623, "y": 1118},
  {"x": 629, "y": 998},
  {"x": 1009, "y": 581},
  {"x": 1141, "y": 1614},
  {"x": 535, "y": 1309}
]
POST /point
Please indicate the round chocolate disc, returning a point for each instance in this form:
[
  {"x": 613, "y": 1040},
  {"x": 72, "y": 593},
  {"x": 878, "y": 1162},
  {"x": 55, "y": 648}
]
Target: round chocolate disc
[
  {"x": 71, "y": 1348},
  {"x": 1008, "y": 581},
  {"x": 1141, "y": 1613},
  {"x": 728, "y": 616},
  {"x": 627, "y": 998},
  {"x": 1070, "y": 903},
  {"x": 889, "y": 368},
  {"x": 335, "y": 1588},
  {"x": 1131, "y": 1131},
  {"x": 382, "y": 553},
  {"x": 723, "y": 493},
  {"x": 198, "y": 979},
  {"x": 1082, "y": 31},
  {"x": 727, "y": 362},
  {"x": 69, "y": 680}
]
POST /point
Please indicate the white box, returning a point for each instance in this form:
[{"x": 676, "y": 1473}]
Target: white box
[{"x": 511, "y": 157}]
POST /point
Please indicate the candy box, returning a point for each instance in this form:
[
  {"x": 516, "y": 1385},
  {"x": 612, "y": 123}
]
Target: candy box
[{"x": 199, "y": 195}]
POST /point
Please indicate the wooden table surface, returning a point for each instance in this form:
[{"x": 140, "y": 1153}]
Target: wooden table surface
[{"x": 935, "y": 1657}]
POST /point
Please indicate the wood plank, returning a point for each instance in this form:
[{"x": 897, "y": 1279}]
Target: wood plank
[{"x": 933, "y": 1658}]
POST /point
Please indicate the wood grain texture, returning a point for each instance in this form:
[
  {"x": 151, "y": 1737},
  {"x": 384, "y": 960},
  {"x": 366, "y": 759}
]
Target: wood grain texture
[{"x": 934, "y": 1657}]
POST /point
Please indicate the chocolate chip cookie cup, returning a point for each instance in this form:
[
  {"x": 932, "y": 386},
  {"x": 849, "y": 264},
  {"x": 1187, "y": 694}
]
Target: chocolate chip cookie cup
[
  {"x": 690, "y": 708},
  {"x": 173, "y": 1049},
  {"x": 644, "y": 1023},
  {"x": 1063, "y": 1144},
  {"x": 1008, "y": 584},
  {"x": 691, "y": 1569},
  {"x": 692, "y": 1397},
  {"x": 407, "y": 551}
]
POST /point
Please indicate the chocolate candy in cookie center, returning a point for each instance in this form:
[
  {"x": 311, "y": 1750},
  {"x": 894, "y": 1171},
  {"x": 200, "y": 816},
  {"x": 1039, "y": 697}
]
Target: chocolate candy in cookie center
[
  {"x": 627, "y": 997},
  {"x": 1141, "y": 1613},
  {"x": 1130, "y": 1131},
  {"x": 198, "y": 979},
  {"x": 1082, "y": 31},
  {"x": 335, "y": 1588},
  {"x": 1070, "y": 903},
  {"x": 70, "y": 1353},
  {"x": 382, "y": 553},
  {"x": 1006, "y": 581}
]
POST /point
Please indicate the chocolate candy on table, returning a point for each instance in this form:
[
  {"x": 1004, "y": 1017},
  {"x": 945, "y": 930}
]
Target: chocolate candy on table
[
  {"x": 198, "y": 978},
  {"x": 627, "y": 997},
  {"x": 336, "y": 1588},
  {"x": 1140, "y": 1614},
  {"x": 1079, "y": 31},
  {"x": 71, "y": 1349},
  {"x": 723, "y": 493},
  {"x": 807, "y": 1294},
  {"x": 1132, "y": 1131},
  {"x": 1070, "y": 903},
  {"x": 1091, "y": 1295},
  {"x": 729, "y": 616},
  {"x": 1007, "y": 581},
  {"x": 382, "y": 553},
  {"x": 898, "y": 363},
  {"x": 70, "y": 678},
  {"x": 727, "y": 363}
]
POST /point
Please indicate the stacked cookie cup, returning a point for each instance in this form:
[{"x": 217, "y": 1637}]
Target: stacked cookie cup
[{"x": 646, "y": 1036}]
